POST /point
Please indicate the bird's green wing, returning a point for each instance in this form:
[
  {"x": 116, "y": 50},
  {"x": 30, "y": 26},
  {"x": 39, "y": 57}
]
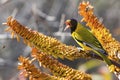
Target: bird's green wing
[{"x": 84, "y": 35}]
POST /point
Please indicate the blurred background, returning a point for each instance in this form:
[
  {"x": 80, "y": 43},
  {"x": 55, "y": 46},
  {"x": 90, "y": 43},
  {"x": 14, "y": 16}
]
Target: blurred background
[{"x": 47, "y": 17}]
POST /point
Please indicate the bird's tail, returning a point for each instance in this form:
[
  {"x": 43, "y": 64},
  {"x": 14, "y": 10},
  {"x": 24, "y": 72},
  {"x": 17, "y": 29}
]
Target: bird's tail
[{"x": 103, "y": 56}]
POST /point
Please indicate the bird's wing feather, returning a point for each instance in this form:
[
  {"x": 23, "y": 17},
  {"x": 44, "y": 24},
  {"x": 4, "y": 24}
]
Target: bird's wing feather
[{"x": 86, "y": 36}]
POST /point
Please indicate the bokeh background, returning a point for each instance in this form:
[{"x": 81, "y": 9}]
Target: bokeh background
[{"x": 47, "y": 17}]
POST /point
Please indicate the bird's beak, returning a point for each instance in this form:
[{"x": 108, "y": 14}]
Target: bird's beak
[{"x": 67, "y": 25}]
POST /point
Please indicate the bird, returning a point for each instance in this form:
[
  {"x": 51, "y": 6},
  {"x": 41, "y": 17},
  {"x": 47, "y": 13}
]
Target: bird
[{"x": 85, "y": 38}]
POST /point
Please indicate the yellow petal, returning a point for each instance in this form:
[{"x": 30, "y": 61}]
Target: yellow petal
[
  {"x": 4, "y": 24},
  {"x": 18, "y": 38},
  {"x": 7, "y": 29},
  {"x": 25, "y": 41},
  {"x": 12, "y": 34}
]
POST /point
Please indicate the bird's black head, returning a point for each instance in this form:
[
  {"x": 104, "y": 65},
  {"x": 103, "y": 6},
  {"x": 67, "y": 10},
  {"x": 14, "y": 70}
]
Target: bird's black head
[{"x": 72, "y": 24}]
